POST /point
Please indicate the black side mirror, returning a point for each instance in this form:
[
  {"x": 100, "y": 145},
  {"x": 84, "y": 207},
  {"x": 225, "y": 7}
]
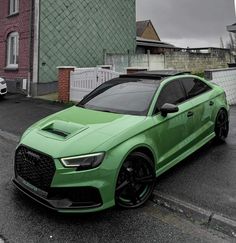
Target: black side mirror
[{"x": 168, "y": 108}]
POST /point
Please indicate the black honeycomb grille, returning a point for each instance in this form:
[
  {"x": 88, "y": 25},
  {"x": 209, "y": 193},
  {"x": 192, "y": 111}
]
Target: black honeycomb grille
[{"x": 36, "y": 168}]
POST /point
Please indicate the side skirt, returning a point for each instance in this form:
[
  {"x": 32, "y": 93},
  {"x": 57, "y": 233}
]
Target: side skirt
[{"x": 185, "y": 154}]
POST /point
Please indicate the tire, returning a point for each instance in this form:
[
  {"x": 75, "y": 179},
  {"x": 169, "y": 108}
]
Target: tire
[
  {"x": 136, "y": 181},
  {"x": 222, "y": 125}
]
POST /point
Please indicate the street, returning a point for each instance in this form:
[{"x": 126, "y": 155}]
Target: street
[{"x": 206, "y": 179}]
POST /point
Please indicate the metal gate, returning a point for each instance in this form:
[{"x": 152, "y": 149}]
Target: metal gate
[{"x": 84, "y": 80}]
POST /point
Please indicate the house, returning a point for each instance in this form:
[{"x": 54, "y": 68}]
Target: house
[
  {"x": 148, "y": 41},
  {"x": 146, "y": 30},
  {"x": 38, "y": 36},
  {"x": 144, "y": 46}
]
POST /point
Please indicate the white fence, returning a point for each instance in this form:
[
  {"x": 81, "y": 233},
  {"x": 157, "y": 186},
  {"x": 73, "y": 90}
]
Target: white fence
[
  {"x": 226, "y": 78},
  {"x": 84, "y": 80}
]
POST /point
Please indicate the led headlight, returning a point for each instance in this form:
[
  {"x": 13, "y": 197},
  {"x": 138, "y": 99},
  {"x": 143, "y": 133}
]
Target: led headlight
[{"x": 84, "y": 162}]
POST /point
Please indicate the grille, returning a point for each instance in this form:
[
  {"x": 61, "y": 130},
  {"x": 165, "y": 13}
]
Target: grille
[{"x": 36, "y": 168}]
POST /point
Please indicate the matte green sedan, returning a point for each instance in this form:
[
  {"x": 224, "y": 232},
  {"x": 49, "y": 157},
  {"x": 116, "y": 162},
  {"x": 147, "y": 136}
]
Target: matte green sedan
[{"x": 109, "y": 149}]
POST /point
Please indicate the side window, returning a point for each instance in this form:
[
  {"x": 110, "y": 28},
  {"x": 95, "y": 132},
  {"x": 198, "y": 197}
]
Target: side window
[
  {"x": 172, "y": 93},
  {"x": 194, "y": 87}
]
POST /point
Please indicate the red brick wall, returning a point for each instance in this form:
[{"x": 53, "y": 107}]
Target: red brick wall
[
  {"x": 64, "y": 83},
  {"x": 21, "y": 24}
]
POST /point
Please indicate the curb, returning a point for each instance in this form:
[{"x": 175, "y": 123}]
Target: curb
[{"x": 210, "y": 219}]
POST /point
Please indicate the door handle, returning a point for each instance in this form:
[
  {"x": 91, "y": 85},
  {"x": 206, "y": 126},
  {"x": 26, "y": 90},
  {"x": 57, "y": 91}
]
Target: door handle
[
  {"x": 211, "y": 103},
  {"x": 190, "y": 114}
]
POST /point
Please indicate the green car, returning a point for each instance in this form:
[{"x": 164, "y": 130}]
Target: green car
[{"x": 109, "y": 149}]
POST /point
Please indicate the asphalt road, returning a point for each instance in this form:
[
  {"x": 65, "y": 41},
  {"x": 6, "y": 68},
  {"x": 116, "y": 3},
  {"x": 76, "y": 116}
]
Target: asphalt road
[
  {"x": 207, "y": 179},
  {"x": 23, "y": 220}
]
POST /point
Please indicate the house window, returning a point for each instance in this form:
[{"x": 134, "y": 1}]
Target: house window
[
  {"x": 12, "y": 50},
  {"x": 13, "y": 6}
]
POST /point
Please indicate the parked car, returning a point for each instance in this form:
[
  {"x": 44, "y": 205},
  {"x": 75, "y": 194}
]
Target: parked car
[
  {"x": 3, "y": 87},
  {"x": 109, "y": 149}
]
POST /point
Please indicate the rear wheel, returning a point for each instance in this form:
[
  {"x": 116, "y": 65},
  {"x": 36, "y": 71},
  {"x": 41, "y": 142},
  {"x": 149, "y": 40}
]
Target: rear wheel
[
  {"x": 222, "y": 125},
  {"x": 136, "y": 181}
]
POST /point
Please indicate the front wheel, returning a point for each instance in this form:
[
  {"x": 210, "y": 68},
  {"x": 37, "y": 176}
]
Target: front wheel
[
  {"x": 136, "y": 181},
  {"x": 222, "y": 125}
]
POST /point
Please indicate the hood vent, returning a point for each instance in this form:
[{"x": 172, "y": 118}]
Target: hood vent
[
  {"x": 57, "y": 132},
  {"x": 64, "y": 129}
]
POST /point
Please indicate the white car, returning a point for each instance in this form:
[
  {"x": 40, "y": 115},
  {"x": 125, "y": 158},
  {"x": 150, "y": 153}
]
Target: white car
[{"x": 3, "y": 87}]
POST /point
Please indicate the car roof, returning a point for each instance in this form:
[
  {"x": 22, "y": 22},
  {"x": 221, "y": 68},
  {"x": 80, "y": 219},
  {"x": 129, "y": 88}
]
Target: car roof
[{"x": 158, "y": 74}]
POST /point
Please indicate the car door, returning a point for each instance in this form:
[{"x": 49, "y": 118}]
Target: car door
[
  {"x": 171, "y": 131},
  {"x": 198, "y": 94}
]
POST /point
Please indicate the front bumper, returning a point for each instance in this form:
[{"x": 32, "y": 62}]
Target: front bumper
[
  {"x": 68, "y": 191},
  {"x": 62, "y": 199}
]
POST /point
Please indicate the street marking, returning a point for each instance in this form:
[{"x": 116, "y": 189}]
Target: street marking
[{"x": 9, "y": 136}]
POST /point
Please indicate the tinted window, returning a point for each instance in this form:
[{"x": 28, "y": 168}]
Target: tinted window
[
  {"x": 122, "y": 95},
  {"x": 194, "y": 86},
  {"x": 172, "y": 93}
]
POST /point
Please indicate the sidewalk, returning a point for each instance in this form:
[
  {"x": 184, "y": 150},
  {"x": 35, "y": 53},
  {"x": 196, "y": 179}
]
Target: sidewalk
[{"x": 49, "y": 97}]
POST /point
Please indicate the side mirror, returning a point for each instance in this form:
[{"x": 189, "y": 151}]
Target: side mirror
[{"x": 168, "y": 108}]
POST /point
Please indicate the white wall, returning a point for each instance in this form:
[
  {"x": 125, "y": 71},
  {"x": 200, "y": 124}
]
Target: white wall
[
  {"x": 226, "y": 78},
  {"x": 121, "y": 62}
]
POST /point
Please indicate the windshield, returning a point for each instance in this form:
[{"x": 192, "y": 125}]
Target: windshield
[{"x": 122, "y": 95}]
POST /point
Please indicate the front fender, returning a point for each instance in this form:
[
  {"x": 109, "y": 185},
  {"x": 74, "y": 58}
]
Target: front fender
[{"x": 123, "y": 150}]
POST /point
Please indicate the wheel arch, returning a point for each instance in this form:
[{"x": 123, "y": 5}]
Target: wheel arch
[
  {"x": 146, "y": 150},
  {"x": 218, "y": 110},
  {"x": 139, "y": 147}
]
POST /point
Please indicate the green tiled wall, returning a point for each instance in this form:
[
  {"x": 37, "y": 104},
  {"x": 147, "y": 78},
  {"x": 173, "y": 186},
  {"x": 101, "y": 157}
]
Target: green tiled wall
[{"x": 76, "y": 32}]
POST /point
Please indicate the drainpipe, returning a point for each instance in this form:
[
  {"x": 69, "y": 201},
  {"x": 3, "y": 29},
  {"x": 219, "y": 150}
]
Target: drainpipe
[
  {"x": 235, "y": 6},
  {"x": 31, "y": 3},
  {"x": 129, "y": 58}
]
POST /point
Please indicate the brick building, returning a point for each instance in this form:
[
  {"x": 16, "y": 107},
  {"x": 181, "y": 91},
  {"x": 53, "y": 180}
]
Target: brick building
[
  {"x": 37, "y": 36},
  {"x": 15, "y": 40}
]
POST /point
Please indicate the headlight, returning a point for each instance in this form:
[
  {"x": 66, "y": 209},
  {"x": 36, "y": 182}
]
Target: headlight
[{"x": 84, "y": 162}]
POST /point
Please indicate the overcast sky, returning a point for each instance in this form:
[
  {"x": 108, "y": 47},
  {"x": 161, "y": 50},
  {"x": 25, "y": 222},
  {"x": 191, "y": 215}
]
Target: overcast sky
[{"x": 193, "y": 23}]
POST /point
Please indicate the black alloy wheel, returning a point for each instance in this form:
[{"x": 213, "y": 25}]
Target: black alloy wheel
[
  {"x": 136, "y": 181},
  {"x": 222, "y": 125}
]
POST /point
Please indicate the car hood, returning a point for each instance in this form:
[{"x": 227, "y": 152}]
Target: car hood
[{"x": 77, "y": 131}]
